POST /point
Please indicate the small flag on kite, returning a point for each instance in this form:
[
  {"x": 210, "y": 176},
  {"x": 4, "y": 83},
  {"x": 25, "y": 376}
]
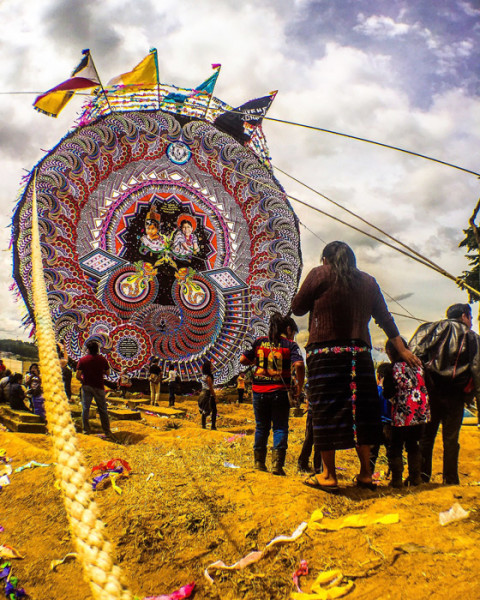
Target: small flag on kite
[
  {"x": 209, "y": 84},
  {"x": 83, "y": 77},
  {"x": 144, "y": 74},
  {"x": 251, "y": 113}
]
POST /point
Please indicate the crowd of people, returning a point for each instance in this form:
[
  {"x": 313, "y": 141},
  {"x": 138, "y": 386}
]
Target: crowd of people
[{"x": 427, "y": 382}]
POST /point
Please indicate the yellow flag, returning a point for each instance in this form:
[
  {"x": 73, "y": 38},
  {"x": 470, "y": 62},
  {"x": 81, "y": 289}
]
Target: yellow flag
[
  {"x": 52, "y": 103},
  {"x": 145, "y": 73}
]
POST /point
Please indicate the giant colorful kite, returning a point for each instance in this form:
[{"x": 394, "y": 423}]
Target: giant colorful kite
[{"x": 163, "y": 231}]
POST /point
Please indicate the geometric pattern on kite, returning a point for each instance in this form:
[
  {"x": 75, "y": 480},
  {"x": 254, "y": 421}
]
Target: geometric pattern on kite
[{"x": 160, "y": 235}]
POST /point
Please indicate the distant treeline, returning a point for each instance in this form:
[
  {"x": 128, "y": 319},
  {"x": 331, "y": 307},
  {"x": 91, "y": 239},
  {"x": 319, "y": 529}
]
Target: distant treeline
[{"x": 22, "y": 349}]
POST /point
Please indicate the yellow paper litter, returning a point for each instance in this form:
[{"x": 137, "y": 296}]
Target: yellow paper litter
[
  {"x": 317, "y": 521},
  {"x": 113, "y": 479},
  {"x": 56, "y": 563},
  {"x": 9, "y": 552},
  {"x": 327, "y": 586}
]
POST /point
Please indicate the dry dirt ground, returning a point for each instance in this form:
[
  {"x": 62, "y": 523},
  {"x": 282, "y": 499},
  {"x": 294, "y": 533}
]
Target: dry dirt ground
[{"x": 194, "y": 510}]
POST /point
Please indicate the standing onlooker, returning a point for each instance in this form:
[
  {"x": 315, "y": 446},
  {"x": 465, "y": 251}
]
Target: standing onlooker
[
  {"x": 343, "y": 393},
  {"x": 172, "y": 381},
  {"x": 3, "y": 368},
  {"x": 450, "y": 351},
  {"x": 66, "y": 371},
  {"x": 386, "y": 407},
  {"x": 405, "y": 387},
  {"x": 91, "y": 370},
  {"x": 273, "y": 356},
  {"x": 154, "y": 377},
  {"x": 207, "y": 400},
  {"x": 34, "y": 391},
  {"x": 240, "y": 387}
]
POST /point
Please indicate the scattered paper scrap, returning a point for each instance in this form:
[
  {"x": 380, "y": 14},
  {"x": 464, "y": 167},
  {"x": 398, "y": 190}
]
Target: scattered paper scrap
[
  {"x": 150, "y": 476},
  {"x": 327, "y": 586},
  {"x": 4, "y": 480},
  {"x": 5, "y": 469},
  {"x": 11, "y": 582},
  {"x": 255, "y": 556},
  {"x": 456, "y": 513},
  {"x": 56, "y": 563},
  {"x": 302, "y": 570},
  {"x": 184, "y": 592},
  {"x": 111, "y": 470},
  {"x": 230, "y": 465},
  {"x": 235, "y": 438},
  {"x": 31, "y": 465},
  {"x": 317, "y": 521},
  {"x": 9, "y": 552}
]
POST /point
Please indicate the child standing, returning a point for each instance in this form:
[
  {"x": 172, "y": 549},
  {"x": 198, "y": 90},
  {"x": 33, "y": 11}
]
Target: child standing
[
  {"x": 405, "y": 387},
  {"x": 240, "y": 387},
  {"x": 386, "y": 407}
]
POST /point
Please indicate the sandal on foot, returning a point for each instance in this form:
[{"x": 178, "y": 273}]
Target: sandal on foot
[
  {"x": 364, "y": 485},
  {"x": 312, "y": 482}
]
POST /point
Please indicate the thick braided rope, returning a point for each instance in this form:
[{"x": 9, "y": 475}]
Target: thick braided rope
[{"x": 95, "y": 552}]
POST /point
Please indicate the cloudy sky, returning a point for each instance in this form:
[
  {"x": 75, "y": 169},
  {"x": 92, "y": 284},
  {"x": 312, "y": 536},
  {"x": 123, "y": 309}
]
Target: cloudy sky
[{"x": 403, "y": 73}]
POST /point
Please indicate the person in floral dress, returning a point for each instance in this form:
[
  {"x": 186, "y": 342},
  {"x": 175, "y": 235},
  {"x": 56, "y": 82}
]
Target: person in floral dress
[{"x": 405, "y": 387}]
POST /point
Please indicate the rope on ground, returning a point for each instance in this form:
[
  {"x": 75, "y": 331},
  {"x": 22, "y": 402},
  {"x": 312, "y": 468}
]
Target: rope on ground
[{"x": 95, "y": 552}]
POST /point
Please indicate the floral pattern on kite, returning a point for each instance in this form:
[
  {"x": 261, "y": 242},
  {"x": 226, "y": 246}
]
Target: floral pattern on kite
[{"x": 182, "y": 253}]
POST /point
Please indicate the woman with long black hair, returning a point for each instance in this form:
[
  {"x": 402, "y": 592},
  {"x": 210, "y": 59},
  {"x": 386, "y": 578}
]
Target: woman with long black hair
[
  {"x": 273, "y": 356},
  {"x": 343, "y": 393}
]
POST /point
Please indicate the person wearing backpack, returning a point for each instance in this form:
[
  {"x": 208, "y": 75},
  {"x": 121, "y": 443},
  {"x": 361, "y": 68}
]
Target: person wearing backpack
[
  {"x": 450, "y": 351},
  {"x": 154, "y": 377}
]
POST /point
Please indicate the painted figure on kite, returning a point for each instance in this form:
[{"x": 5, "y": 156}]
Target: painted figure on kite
[
  {"x": 185, "y": 242},
  {"x": 163, "y": 229}
]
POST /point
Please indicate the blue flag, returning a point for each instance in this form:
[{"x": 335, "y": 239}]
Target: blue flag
[{"x": 208, "y": 85}]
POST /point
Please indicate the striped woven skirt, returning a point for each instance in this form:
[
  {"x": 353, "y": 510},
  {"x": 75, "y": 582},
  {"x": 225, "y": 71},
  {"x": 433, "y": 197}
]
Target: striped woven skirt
[{"x": 343, "y": 395}]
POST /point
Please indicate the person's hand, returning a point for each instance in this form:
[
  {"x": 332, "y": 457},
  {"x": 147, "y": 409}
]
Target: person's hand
[{"x": 409, "y": 357}]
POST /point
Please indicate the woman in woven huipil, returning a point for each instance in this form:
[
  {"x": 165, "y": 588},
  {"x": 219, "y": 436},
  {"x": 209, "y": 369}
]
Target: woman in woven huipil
[{"x": 343, "y": 392}]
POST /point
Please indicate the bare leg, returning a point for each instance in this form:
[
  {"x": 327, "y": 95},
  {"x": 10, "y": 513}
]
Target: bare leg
[
  {"x": 363, "y": 452},
  {"x": 329, "y": 474}
]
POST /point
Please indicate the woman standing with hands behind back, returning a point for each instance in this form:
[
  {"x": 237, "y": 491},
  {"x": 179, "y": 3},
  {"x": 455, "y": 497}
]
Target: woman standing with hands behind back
[{"x": 343, "y": 392}]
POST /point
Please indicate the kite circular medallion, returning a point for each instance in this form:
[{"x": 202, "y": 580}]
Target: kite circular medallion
[{"x": 161, "y": 235}]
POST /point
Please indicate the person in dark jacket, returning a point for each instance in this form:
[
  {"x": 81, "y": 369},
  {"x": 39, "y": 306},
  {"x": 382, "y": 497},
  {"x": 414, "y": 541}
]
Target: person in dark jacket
[{"x": 450, "y": 351}]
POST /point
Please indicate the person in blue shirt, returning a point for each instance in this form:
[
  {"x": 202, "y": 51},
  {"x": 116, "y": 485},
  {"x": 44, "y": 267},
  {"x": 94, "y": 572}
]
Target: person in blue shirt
[{"x": 386, "y": 408}]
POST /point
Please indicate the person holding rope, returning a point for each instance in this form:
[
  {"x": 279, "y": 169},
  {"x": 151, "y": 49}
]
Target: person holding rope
[{"x": 343, "y": 392}]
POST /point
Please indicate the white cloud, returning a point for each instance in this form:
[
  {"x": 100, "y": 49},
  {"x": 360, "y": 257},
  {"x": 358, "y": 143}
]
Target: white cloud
[
  {"x": 345, "y": 89},
  {"x": 380, "y": 26}
]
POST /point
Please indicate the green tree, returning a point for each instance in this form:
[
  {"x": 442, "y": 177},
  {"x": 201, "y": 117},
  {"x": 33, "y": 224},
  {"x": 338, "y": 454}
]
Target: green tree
[
  {"x": 472, "y": 276},
  {"x": 22, "y": 349}
]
